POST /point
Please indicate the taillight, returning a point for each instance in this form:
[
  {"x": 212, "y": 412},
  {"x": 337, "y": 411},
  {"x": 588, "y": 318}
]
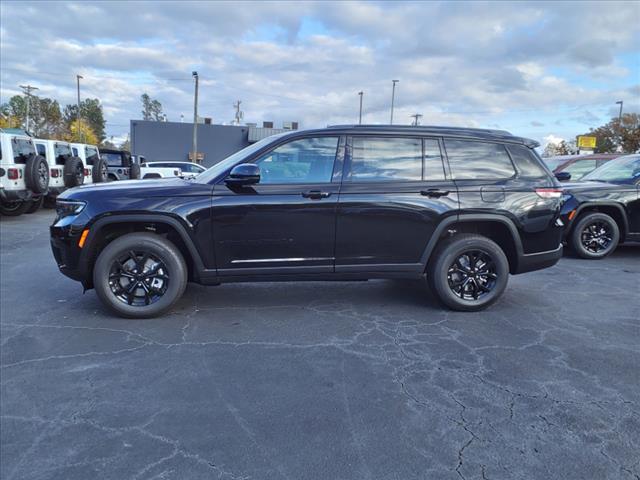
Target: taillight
[
  {"x": 86, "y": 172},
  {"x": 55, "y": 173},
  {"x": 13, "y": 173},
  {"x": 549, "y": 192}
]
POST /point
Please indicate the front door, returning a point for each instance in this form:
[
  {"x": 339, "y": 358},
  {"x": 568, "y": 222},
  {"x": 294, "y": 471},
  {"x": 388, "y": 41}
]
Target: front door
[
  {"x": 286, "y": 222},
  {"x": 394, "y": 194}
]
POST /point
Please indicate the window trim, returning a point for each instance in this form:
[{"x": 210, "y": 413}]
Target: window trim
[{"x": 492, "y": 179}]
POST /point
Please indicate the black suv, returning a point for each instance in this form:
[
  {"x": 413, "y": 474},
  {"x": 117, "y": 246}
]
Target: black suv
[{"x": 464, "y": 206}]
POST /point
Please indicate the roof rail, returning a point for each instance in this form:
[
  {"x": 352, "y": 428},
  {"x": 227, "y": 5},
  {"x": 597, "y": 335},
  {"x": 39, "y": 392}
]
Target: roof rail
[{"x": 425, "y": 128}]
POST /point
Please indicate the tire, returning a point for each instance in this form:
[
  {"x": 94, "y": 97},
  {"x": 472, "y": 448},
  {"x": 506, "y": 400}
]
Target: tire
[
  {"x": 134, "y": 171},
  {"x": 36, "y": 174},
  {"x": 133, "y": 304},
  {"x": 595, "y": 235},
  {"x": 449, "y": 280},
  {"x": 34, "y": 205},
  {"x": 100, "y": 171},
  {"x": 73, "y": 172},
  {"x": 14, "y": 209}
]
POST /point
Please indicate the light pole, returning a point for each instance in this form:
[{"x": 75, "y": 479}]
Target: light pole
[
  {"x": 620, "y": 102},
  {"x": 360, "y": 116},
  {"x": 195, "y": 119},
  {"x": 78, "y": 77},
  {"x": 416, "y": 117},
  {"x": 393, "y": 97},
  {"x": 27, "y": 89}
]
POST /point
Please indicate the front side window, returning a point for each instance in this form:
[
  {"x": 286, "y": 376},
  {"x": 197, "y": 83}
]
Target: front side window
[
  {"x": 527, "y": 162},
  {"x": 471, "y": 160},
  {"x": 386, "y": 159},
  {"x": 309, "y": 160},
  {"x": 580, "y": 168}
]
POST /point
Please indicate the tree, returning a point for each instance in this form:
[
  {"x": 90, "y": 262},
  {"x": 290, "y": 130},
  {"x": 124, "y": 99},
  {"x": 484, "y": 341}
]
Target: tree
[
  {"x": 91, "y": 111},
  {"x": 561, "y": 148},
  {"x": 151, "y": 108},
  {"x": 617, "y": 136},
  {"x": 9, "y": 121},
  {"x": 45, "y": 119},
  {"x": 80, "y": 132}
]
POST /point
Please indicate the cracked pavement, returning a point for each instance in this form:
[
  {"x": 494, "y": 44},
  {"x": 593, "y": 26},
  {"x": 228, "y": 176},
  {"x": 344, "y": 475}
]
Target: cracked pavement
[{"x": 362, "y": 380}]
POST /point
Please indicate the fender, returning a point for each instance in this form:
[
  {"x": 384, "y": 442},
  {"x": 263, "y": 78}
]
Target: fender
[
  {"x": 617, "y": 206},
  {"x": 471, "y": 217},
  {"x": 158, "y": 218}
]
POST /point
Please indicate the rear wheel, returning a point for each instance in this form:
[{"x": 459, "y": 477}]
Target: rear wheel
[
  {"x": 100, "y": 171},
  {"x": 73, "y": 172},
  {"x": 34, "y": 205},
  {"x": 140, "y": 275},
  {"x": 14, "y": 208},
  {"x": 595, "y": 236},
  {"x": 468, "y": 272}
]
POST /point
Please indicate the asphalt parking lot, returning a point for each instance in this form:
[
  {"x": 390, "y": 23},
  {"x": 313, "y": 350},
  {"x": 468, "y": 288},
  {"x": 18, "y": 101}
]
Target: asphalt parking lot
[{"x": 366, "y": 380}]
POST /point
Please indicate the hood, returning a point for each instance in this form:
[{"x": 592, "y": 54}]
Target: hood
[{"x": 160, "y": 187}]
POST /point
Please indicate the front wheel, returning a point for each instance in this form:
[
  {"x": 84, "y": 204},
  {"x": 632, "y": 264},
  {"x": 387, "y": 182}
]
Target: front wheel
[
  {"x": 140, "y": 275},
  {"x": 468, "y": 272},
  {"x": 595, "y": 236}
]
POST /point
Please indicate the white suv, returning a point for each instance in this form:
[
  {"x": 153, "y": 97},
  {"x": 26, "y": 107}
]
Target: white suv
[
  {"x": 95, "y": 168},
  {"x": 24, "y": 175},
  {"x": 67, "y": 171},
  {"x": 170, "y": 169}
]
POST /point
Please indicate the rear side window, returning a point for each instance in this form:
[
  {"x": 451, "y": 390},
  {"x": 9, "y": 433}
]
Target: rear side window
[
  {"x": 470, "y": 160},
  {"x": 527, "y": 162},
  {"x": 386, "y": 159},
  {"x": 41, "y": 149}
]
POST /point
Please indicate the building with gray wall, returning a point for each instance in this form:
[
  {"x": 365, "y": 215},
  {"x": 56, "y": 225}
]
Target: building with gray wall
[{"x": 162, "y": 141}]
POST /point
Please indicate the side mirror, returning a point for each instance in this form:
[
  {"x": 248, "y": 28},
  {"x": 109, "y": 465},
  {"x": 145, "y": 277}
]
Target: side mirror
[
  {"x": 243, "y": 174},
  {"x": 563, "y": 176}
]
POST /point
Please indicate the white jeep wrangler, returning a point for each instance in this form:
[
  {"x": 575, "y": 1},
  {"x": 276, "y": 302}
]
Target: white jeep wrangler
[
  {"x": 96, "y": 169},
  {"x": 67, "y": 171},
  {"x": 24, "y": 175}
]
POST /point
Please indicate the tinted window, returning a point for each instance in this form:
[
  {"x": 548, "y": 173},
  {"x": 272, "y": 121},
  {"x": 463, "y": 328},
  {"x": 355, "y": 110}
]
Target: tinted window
[
  {"x": 580, "y": 168},
  {"x": 386, "y": 159},
  {"x": 41, "y": 149},
  {"x": 433, "y": 168},
  {"x": 113, "y": 159},
  {"x": 309, "y": 160},
  {"x": 61, "y": 149},
  {"x": 75, "y": 151},
  {"x": 471, "y": 160},
  {"x": 526, "y": 162},
  {"x": 22, "y": 149}
]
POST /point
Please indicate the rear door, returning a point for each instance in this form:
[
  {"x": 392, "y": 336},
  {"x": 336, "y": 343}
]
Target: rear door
[{"x": 394, "y": 194}]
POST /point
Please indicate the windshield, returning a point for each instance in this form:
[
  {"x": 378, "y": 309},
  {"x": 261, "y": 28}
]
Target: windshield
[
  {"x": 622, "y": 170},
  {"x": 218, "y": 168}
]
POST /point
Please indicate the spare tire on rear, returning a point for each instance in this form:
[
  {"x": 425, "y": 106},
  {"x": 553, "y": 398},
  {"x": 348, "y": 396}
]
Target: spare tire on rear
[
  {"x": 100, "y": 171},
  {"x": 36, "y": 174},
  {"x": 73, "y": 172},
  {"x": 134, "y": 171}
]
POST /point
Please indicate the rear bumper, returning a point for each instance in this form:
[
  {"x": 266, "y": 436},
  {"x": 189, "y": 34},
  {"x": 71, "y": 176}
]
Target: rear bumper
[
  {"x": 537, "y": 261},
  {"x": 13, "y": 195}
]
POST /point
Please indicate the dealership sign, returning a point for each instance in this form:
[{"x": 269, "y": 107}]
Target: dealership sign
[{"x": 586, "y": 142}]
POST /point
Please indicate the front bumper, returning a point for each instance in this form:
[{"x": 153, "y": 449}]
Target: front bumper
[
  {"x": 537, "y": 261},
  {"x": 70, "y": 258}
]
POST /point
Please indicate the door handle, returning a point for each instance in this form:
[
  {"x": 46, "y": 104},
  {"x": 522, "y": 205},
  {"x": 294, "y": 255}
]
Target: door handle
[
  {"x": 316, "y": 194},
  {"x": 434, "y": 193}
]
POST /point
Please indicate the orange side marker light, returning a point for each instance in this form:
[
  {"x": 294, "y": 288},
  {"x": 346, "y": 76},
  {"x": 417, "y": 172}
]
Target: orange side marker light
[{"x": 83, "y": 238}]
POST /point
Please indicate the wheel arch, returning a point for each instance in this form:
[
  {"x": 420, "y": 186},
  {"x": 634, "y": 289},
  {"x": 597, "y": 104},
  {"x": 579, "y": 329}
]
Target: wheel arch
[{"x": 614, "y": 210}]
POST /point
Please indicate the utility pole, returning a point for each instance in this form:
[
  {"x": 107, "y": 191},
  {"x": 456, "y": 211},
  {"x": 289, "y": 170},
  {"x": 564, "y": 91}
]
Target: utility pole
[
  {"x": 239, "y": 114},
  {"x": 195, "y": 119},
  {"x": 620, "y": 102},
  {"x": 27, "y": 89},
  {"x": 393, "y": 96},
  {"x": 417, "y": 117},
  {"x": 78, "y": 77},
  {"x": 360, "y": 117}
]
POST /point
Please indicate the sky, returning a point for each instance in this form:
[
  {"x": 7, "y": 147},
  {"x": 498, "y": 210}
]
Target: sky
[{"x": 543, "y": 70}]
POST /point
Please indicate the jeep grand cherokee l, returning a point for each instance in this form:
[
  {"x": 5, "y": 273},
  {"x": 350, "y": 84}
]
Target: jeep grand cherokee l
[{"x": 463, "y": 207}]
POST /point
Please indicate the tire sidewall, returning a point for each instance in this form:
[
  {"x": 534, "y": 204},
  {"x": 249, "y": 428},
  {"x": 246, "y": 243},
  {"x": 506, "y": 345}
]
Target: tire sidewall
[
  {"x": 20, "y": 208},
  {"x": 32, "y": 178},
  {"x": 71, "y": 177},
  {"x": 576, "y": 236},
  {"x": 100, "y": 172},
  {"x": 134, "y": 171},
  {"x": 164, "y": 250},
  {"x": 448, "y": 253}
]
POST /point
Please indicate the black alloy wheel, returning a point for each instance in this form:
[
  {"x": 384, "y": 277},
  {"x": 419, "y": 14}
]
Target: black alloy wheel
[
  {"x": 138, "y": 278},
  {"x": 596, "y": 237},
  {"x": 472, "y": 275}
]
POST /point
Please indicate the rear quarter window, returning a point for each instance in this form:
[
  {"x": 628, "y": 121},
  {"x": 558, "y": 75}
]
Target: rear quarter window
[
  {"x": 527, "y": 162},
  {"x": 472, "y": 160},
  {"x": 22, "y": 149}
]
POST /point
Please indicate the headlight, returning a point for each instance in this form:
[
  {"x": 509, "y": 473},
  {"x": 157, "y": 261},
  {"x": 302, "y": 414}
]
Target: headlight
[{"x": 66, "y": 208}]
